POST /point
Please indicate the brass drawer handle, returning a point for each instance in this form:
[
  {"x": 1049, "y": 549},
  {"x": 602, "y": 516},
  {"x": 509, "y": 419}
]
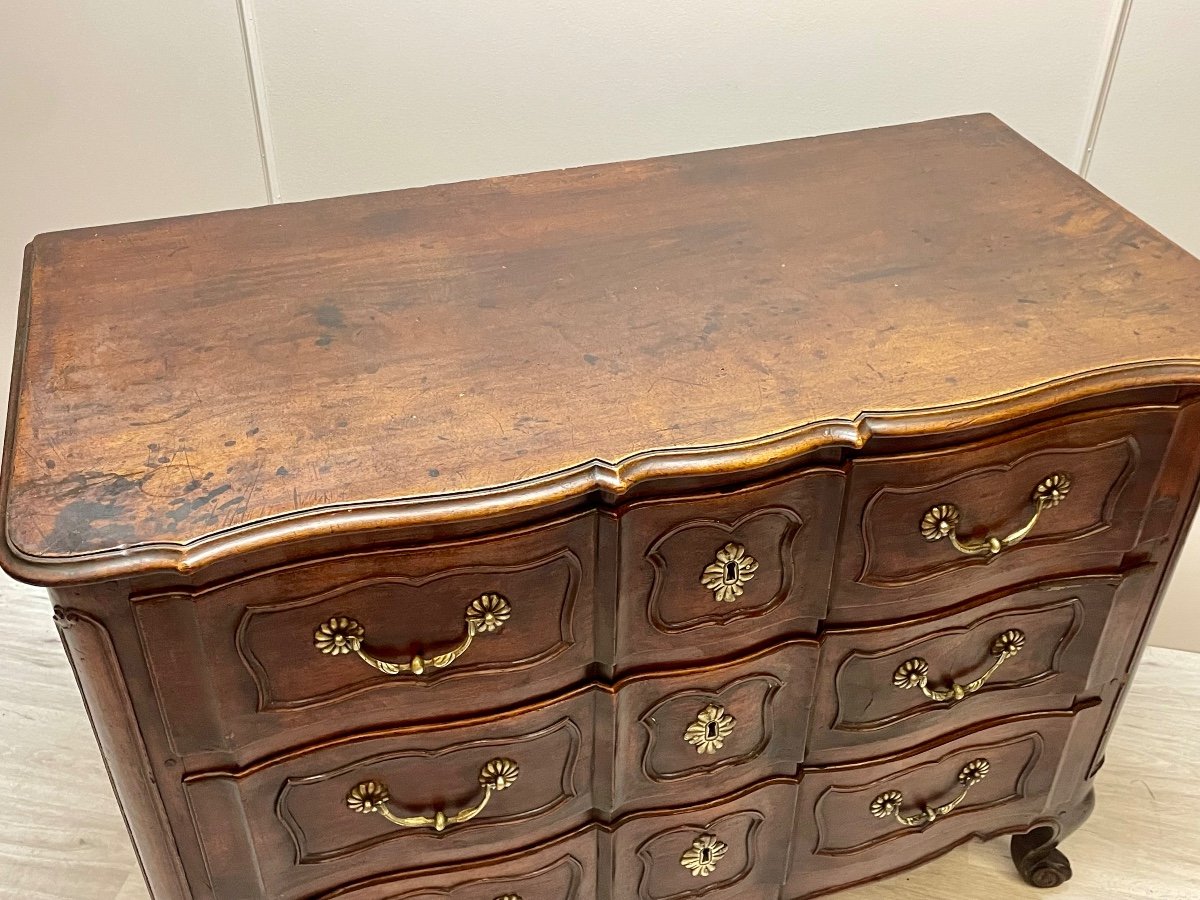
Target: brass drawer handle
[
  {"x": 726, "y": 576},
  {"x": 915, "y": 672},
  {"x": 888, "y": 803},
  {"x": 372, "y": 797},
  {"x": 485, "y": 614},
  {"x": 942, "y": 520}
]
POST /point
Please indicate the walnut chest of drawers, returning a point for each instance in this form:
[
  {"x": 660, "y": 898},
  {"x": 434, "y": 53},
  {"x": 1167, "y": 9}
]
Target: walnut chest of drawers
[{"x": 746, "y": 524}]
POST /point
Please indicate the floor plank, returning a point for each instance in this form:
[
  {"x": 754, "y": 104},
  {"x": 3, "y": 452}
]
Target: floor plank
[{"x": 62, "y": 837}]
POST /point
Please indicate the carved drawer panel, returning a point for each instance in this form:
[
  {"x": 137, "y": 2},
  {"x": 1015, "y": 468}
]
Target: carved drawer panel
[
  {"x": 861, "y": 821},
  {"x": 396, "y": 801},
  {"x": 703, "y": 575},
  {"x": 562, "y": 870},
  {"x": 374, "y": 639},
  {"x": 734, "y": 850},
  {"x": 698, "y": 734},
  {"x": 927, "y": 530},
  {"x": 884, "y": 688}
]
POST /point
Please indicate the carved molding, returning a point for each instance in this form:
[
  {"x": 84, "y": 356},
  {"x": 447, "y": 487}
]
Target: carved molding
[
  {"x": 537, "y": 880},
  {"x": 721, "y": 827},
  {"x": 892, "y": 778},
  {"x": 920, "y": 574},
  {"x": 509, "y": 745},
  {"x": 766, "y": 453},
  {"x": 922, "y": 705},
  {"x": 709, "y": 765},
  {"x": 713, "y": 613},
  {"x": 362, "y": 679}
]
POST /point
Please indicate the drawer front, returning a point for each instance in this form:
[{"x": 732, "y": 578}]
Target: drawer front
[
  {"x": 702, "y": 576},
  {"x": 734, "y": 850},
  {"x": 686, "y": 737},
  {"x": 453, "y": 631},
  {"x": 562, "y": 870},
  {"x": 849, "y": 824},
  {"x": 924, "y": 531},
  {"x": 883, "y": 688},
  {"x": 317, "y": 820}
]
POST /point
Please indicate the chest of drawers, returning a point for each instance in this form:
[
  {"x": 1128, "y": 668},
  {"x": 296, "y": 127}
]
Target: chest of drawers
[{"x": 746, "y": 524}]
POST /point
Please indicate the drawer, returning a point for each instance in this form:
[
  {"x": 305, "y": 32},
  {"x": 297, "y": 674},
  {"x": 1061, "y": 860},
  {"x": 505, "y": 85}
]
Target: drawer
[
  {"x": 1059, "y": 498},
  {"x": 691, "y": 735},
  {"x": 882, "y": 688},
  {"x": 847, "y": 825},
  {"x": 731, "y": 850},
  {"x": 562, "y": 870},
  {"x": 497, "y": 622},
  {"x": 315, "y": 820},
  {"x": 702, "y": 576}
]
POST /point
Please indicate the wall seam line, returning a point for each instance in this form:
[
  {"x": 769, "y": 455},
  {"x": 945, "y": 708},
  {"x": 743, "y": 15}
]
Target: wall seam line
[
  {"x": 258, "y": 99},
  {"x": 1110, "y": 71}
]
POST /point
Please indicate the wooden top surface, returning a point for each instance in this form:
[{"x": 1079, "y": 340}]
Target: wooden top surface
[{"x": 496, "y": 344}]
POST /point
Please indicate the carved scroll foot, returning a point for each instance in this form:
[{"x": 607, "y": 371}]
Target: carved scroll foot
[
  {"x": 1036, "y": 854},
  {"x": 1039, "y": 861}
]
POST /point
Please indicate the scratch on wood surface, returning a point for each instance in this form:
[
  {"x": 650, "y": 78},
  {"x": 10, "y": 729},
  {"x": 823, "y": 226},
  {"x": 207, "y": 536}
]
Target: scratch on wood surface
[{"x": 178, "y": 414}]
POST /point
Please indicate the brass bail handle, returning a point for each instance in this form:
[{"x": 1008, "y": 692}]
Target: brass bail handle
[
  {"x": 485, "y": 614},
  {"x": 915, "y": 672},
  {"x": 888, "y": 803},
  {"x": 373, "y": 797},
  {"x": 942, "y": 520}
]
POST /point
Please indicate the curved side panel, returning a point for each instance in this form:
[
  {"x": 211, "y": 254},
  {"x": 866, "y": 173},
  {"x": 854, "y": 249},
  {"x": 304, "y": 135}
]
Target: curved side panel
[{"x": 94, "y": 660}]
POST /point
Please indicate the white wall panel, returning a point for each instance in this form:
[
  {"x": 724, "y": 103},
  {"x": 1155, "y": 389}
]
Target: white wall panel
[
  {"x": 112, "y": 110},
  {"x": 1178, "y": 623},
  {"x": 1147, "y": 157},
  {"x": 1148, "y": 147},
  {"x": 375, "y": 94}
]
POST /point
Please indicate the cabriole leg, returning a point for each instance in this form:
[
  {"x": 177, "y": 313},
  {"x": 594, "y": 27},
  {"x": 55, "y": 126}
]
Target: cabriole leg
[{"x": 1036, "y": 854}]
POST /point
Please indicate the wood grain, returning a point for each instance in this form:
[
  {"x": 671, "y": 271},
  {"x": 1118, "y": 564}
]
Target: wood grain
[{"x": 462, "y": 338}]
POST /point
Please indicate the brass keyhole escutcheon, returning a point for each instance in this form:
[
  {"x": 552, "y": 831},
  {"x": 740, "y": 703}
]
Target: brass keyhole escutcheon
[
  {"x": 726, "y": 576},
  {"x": 702, "y": 857},
  {"x": 708, "y": 731}
]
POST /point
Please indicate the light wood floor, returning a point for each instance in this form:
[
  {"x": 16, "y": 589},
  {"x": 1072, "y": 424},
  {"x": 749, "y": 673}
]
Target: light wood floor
[{"x": 62, "y": 837}]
